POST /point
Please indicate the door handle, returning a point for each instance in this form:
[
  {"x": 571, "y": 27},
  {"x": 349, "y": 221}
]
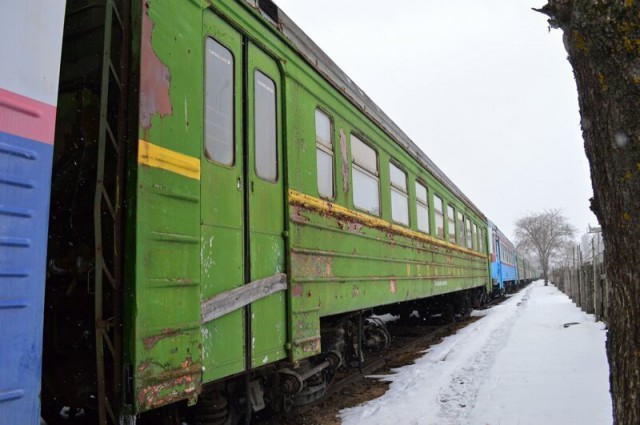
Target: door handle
[{"x": 239, "y": 183}]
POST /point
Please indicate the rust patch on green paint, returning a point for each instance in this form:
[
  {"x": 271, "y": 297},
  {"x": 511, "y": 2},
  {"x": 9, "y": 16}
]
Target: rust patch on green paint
[
  {"x": 348, "y": 225},
  {"x": 311, "y": 265},
  {"x": 356, "y": 224},
  {"x": 355, "y": 291},
  {"x": 171, "y": 386},
  {"x": 309, "y": 345},
  {"x": 151, "y": 341},
  {"x": 155, "y": 78},
  {"x": 298, "y": 216},
  {"x": 296, "y": 290}
]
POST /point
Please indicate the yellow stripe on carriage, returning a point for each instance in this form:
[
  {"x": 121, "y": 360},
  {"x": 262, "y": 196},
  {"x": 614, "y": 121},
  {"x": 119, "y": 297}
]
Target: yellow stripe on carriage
[
  {"x": 329, "y": 208},
  {"x": 166, "y": 159}
]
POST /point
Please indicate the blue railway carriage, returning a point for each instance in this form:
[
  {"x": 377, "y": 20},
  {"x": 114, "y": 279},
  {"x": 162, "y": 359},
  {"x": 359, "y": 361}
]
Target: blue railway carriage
[
  {"x": 504, "y": 273},
  {"x": 31, "y": 33}
]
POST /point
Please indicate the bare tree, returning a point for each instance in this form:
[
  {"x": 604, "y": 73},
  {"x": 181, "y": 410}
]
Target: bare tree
[
  {"x": 602, "y": 40},
  {"x": 546, "y": 234}
]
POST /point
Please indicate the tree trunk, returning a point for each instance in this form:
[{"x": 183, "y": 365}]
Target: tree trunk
[{"x": 602, "y": 38}]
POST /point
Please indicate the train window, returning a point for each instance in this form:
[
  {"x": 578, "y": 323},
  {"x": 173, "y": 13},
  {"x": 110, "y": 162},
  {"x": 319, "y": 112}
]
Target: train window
[
  {"x": 423, "y": 208},
  {"x": 266, "y": 154},
  {"x": 481, "y": 240},
  {"x": 451, "y": 228},
  {"x": 469, "y": 243},
  {"x": 460, "y": 229},
  {"x": 475, "y": 236},
  {"x": 219, "y": 105},
  {"x": 366, "y": 178},
  {"x": 439, "y": 216},
  {"x": 399, "y": 195},
  {"x": 324, "y": 154}
]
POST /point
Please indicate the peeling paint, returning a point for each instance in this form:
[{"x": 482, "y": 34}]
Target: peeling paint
[
  {"x": 296, "y": 290},
  {"x": 155, "y": 78},
  {"x": 392, "y": 286},
  {"x": 346, "y": 215},
  {"x": 172, "y": 386},
  {"x": 311, "y": 265},
  {"x": 151, "y": 341},
  {"x": 297, "y": 216}
]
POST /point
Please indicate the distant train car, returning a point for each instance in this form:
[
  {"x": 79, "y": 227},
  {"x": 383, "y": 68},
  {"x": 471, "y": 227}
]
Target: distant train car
[
  {"x": 525, "y": 271},
  {"x": 226, "y": 208},
  {"x": 504, "y": 271},
  {"x": 31, "y": 34}
]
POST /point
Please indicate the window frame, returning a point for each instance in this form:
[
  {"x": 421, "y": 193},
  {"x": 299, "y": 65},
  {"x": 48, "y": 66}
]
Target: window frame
[
  {"x": 329, "y": 151},
  {"x": 361, "y": 169},
  {"x": 474, "y": 236},
  {"x": 398, "y": 190},
  {"x": 423, "y": 203},
  {"x": 255, "y": 132},
  {"x": 233, "y": 105},
  {"x": 451, "y": 208},
  {"x": 460, "y": 237},
  {"x": 437, "y": 213}
]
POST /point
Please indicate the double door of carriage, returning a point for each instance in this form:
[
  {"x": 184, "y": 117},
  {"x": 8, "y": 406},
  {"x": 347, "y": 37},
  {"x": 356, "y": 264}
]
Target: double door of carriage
[{"x": 242, "y": 198}]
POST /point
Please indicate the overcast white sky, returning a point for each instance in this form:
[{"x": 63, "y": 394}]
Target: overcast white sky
[{"x": 480, "y": 85}]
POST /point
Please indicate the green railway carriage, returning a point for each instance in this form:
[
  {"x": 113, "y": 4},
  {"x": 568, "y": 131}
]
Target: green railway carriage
[
  {"x": 525, "y": 273},
  {"x": 224, "y": 199}
]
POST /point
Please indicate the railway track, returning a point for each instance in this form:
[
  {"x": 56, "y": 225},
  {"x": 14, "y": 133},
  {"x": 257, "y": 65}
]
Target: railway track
[{"x": 409, "y": 340}]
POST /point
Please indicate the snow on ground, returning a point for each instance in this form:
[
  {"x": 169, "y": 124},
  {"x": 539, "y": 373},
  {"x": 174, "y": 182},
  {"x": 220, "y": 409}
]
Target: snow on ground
[{"x": 516, "y": 365}]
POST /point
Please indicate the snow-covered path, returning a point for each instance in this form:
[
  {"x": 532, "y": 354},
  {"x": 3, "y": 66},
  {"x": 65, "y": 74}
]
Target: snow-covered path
[{"x": 516, "y": 365}]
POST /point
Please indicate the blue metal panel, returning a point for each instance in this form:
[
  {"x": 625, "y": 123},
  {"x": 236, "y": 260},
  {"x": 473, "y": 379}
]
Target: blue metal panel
[
  {"x": 508, "y": 272},
  {"x": 496, "y": 275},
  {"x": 25, "y": 180}
]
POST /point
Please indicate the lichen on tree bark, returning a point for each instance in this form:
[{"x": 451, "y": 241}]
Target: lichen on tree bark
[{"x": 602, "y": 38}]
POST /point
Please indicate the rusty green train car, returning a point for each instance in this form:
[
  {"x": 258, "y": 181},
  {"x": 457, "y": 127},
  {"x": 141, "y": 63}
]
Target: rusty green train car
[{"x": 227, "y": 207}]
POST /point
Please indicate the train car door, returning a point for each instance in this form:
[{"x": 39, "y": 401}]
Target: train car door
[
  {"x": 222, "y": 195},
  {"x": 242, "y": 211},
  {"x": 265, "y": 181}
]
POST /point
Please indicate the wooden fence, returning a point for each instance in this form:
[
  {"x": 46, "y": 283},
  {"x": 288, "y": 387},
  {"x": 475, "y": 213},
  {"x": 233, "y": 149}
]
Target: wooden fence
[{"x": 584, "y": 279}]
